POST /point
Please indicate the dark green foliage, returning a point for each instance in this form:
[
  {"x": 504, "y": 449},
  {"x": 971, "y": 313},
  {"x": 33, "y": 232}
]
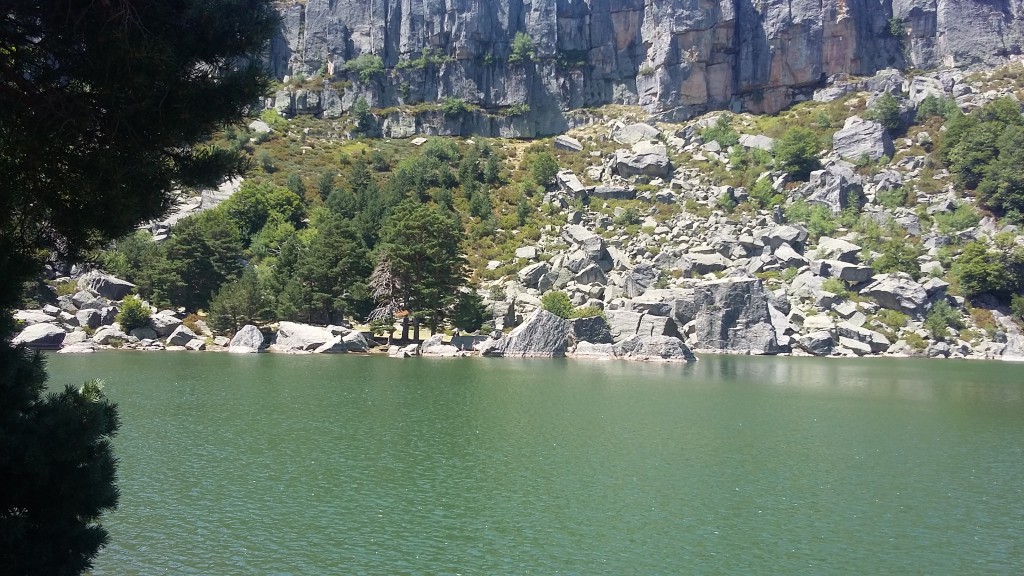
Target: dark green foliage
[
  {"x": 134, "y": 314},
  {"x": 898, "y": 256},
  {"x": 886, "y": 111},
  {"x": 469, "y": 313},
  {"x": 202, "y": 253},
  {"x": 984, "y": 150},
  {"x": 480, "y": 204},
  {"x": 239, "y": 302},
  {"x": 254, "y": 204},
  {"x": 522, "y": 48},
  {"x": 523, "y": 210},
  {"x": 940, "y": 106},
  {"x": 892, "y": 198},
  {"x": 492, "y": 170},
  {"x": 722, "y": 132},
  {"x": 128, "y": 257},
  {"x": 319, "y": 276},
  {"x": 454, "y": 106},
  {"x": 422, "y": 245},
  {"x": 543, "y": 168},
  {"x": 796, "y": 152},
  {"x": 57, "y": 467},
  {"x": 763, "y": 195},
  {"x": 1017, "y": 306},
  {"x": 296, "y": 185},
  {"x": 941, "y": 317},
  {"x": 325, "y": 184},
  {"x": 980, "y": 270},
  {"x": 366, "y": 65},
  {"x": 557, "y": 302},
  {"x": 962, "y": 218},
  {"x": 104, "y": 107},
  {"x": 362, "y": 116}
]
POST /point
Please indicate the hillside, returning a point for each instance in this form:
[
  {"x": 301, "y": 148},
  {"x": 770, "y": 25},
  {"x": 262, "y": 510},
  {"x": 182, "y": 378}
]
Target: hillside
[{"x": 881, "y": 217}]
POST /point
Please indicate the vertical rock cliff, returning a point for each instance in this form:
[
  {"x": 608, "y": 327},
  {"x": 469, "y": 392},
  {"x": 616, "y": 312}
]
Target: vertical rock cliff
[{"x": 677, "y": 58}]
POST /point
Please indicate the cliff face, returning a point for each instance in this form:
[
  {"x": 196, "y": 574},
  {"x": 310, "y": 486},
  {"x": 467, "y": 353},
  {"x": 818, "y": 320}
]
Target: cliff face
[{"x": 677, "y": 58}]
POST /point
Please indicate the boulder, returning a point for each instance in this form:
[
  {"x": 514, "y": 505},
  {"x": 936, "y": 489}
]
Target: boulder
[
  {"x": 898, "y": 292},
  {"x": 332, "y": 346},
  {"x": 623, "y": 324},
  {"x": 760, "y": 142},
  {"x": 531, "y": 275},
  {"x": 563, "y": 142},
  {"x": 248, "y": 340},
  {"x": 875, "y": 341},
  {"x": 90, "y": 317},
  {"x": 143, "y": 333},
  {"x": 591, "y": 274},
  {"x": 435, "y": 346},
  {"x": 786, "y": 234},
  {"x": 630, "y": 134},
  {"x": 109, "y": 336},
  {"x": 356, "y": 342},
  {"x": 105, "y": 285},
  {"x": 181, "y": 336},
  {"x": 592, "y": 350},
  {"x": 842, "y": 270},
  {"x": 731, "y": 314},
  {"x": 818, "y": 343},
  {"x": 296, "y": 337},
  {"x": 85, "y": 299},
  {"x": 701, "y": 264},
  {"x": 594, "y": 330},
  {"x": 403, "y": 351},
  {"x": 164, "y": 324},
  {"x": 527, "y": 252},
  {"x": 30, "y": 317},
  {"x": 836, "y": 187},
  {"x": 569, "y": 183},
  {"x": 196, "y": 344},
  {"x": 639, "y": 279},
  {"x": 837, "y": 249},
  {"x": 654, "y": 348},
  {"x": 860, "y": 138},
  {"x": 646, "y": 159},
  {"x": 543, "y": 334},
  {"x": 613, "y": 192},
  {"x": 41, "y": 336}
]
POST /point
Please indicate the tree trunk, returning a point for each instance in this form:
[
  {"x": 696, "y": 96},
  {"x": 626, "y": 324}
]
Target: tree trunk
[
  {"x": 416, "y": 328},
  {"x": 405, "y": 328}
]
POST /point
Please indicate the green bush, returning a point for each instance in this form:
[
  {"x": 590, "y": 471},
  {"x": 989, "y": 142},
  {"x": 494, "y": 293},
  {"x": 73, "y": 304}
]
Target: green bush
[
  {"x": 796, "y": 152},
  {"x": 721, "y": 131},
  {"x": 892, "y": 198},
  {"x": 979, "y": 271},
  {"x": 134, "y": 314},
  {"x": 586, "y": 312},
  {"x": 366, "y": 65},
  {"x": 941, "y": 317},
  {"x": 835, "y": 286},
  {"x": 558, "y": 303},
  {"x": 522, "y": 48},
  {"x": 891, "y": 318},
  {"x": 886, "y": 111},
  {"x": 543, "y": 168},
  {"x": 454, "y": 106}
]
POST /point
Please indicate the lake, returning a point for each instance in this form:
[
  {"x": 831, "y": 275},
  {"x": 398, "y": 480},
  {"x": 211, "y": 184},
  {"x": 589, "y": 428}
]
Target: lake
[{"x": 276, "y": 464}]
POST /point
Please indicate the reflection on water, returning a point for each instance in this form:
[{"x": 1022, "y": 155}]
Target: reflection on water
[{"x": 732, "y": 465}]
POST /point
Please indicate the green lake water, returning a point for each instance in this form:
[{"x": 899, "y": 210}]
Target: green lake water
[{"x": 276, "y": 464}]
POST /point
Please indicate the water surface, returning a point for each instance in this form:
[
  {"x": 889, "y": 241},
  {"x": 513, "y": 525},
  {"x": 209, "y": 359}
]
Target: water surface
[{"x": 277, "y": 464}]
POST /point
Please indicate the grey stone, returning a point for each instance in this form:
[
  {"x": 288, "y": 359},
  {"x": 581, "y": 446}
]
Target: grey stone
[
  {"x": 41, "y": 336},
  {"x": 853, "y": 273},
  {"x": 297, "y": 337},
  {"x": 861, "y": 138},
  {"x": 646, "y": 159},
  {"x": 633, "y": 133},
  {"x": 654, "y": 348},
  {"x": 90, "y": 317},
  {"x": 701, "y": 264},
  {"x": 757, "y": 141},
  {"x": 531, "y": 274},
  {"x": 898, "y": 292},
  {"x": 196, "y": 344},
  {"x": 29, "y": 317},
  {"x": 109, "y": 335},
  {"x": 181, "y": 336},
  {"x": 837, "y": 249},
  {"x": 730, "y": 314},
  {"x": 85, "y": 299},
  {"x": 591, "y": 350},
  {"x": 527, "y": 252},
  {"x": 356, "y": 342},
  {"x": 105, "y": 285},
  {"x": 593, "y": 329},
  {"x": 542, "y": 335},
  {"x": 639, "y": 279},
  {"x": 875, "y": 341},
  {"x": 836, "y": 187},
  {"x": 569, "y": 143},
  {"x": 435, "y": 346},
  {"x": 818, "y": 343},
  {"x": 164, "y": 324},
  {"x": 143, "y": 333},
  {"x": 248, "y": 340}
]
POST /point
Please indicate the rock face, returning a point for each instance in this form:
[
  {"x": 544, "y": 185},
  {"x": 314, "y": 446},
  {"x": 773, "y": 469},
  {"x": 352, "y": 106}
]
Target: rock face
[
  {"x": 730, "y": 314},
  {"x": 41, "y": 336},
  {"x": 248, "y": 340},
  {"x": 295, "y": 337},
  {"x": 899, "y": 292},
  {"x": 664, "y": 348},
  {"x": 861, "y": 138},
  {"x": 105, "y": 285},
  {"x": 434, "y": 346},
  {"x": 675, "y": 58},
  {"x": 542, "y": 335}
]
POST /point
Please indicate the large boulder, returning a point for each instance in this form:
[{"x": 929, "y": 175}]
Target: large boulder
[
  {"x": 860, "y": 138},
  {"x": 654, "y": 348},
  {"x": 842, "y": 270},
  {"x": 837, "y": 249},
  {"x": 105, "y": 285},
  {"x": 543, "y": 334},
  {"x": 639, "y": 279},
  {"x": 817, "y": 343},
  {"x": 181, "y": 336},
  {"x": 875, "y": 341},
  {"x": 41, "y": 336},
  {"x": 435, "y": 346},
  {"x": 296, "y": 337},
  {"x": 164, "y": 324},
  {"x": 623, "y": 324},
  {"x": 593, "y": 330},
  {"x": 29, "y": 317},
  {"x": 646, "y": 159},
  {"x": 109, "y": 336},
  {"x": 86, "y": 299},
  {"x": 356, "y": 342},
  {"x": 248, "y": 340},
  {"x": 531, "y": 274},
  {"x": 836, "y": 187},
  {"x": 899, "y": 292},
  {"x": 731, "y": 314},
  {"x": 630, "y": 134},
  {"x": 89, "y": 318}
]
